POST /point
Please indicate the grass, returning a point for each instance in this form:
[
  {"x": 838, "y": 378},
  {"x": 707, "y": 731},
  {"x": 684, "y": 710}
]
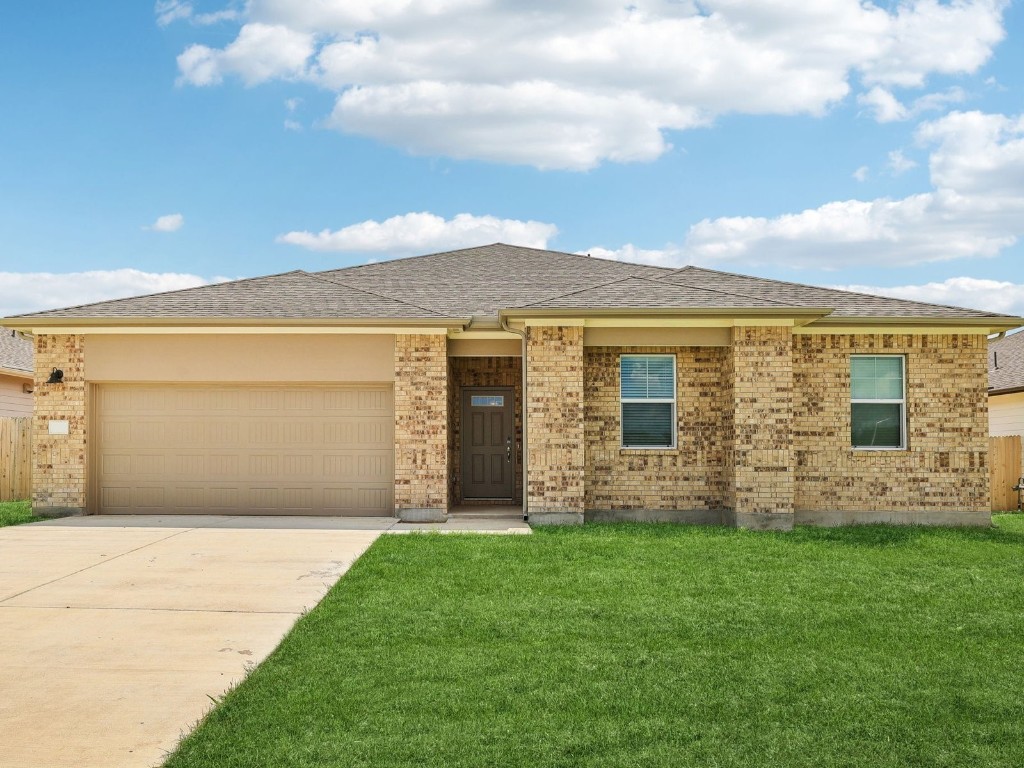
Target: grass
[
  {"x": 648, "y": 646},
  {"x": 15, "y": 513}
]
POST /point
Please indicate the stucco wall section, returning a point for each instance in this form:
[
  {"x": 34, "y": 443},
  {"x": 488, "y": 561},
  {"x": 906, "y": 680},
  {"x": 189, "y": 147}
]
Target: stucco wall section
[
  {"x": 421, "y": 422},
  {"x": 554, "y": 391},
  {"x": 482, "y": 372},
  {"x": 59, "y": 461},
  {"x": 688, "y": 477},
  {"x": 762, "y": 447},
  {"x": 944, "y": 468}
]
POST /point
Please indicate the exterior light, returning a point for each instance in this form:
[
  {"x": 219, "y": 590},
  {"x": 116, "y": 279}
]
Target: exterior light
[{"x": 56, "y": 377}]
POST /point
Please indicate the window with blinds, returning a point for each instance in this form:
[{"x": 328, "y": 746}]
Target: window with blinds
[
  {"x": 647, "y": 394},
  {"x": 878, "y": 402}
]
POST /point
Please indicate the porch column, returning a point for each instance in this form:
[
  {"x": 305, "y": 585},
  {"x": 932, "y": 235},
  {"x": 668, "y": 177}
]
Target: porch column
[
  {"x": 421, "y": 427},
  {"x": 59, "y": 426},
  {"x": 554, "y": 401},
  {"x": 760, "y": 491}
]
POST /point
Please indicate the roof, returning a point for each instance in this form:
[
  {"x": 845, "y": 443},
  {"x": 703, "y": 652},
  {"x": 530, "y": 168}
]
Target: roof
[
  {"x": 15, "y": 352},
  {"x": 499, "y": 278},
  {"x": 291, "y": 295},
  {"x": 1009, "y": 353}
]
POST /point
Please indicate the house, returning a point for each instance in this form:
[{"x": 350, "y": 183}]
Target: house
[
  {"x": 16, "y": 374},
  {"x": 1006, "y": 386},
  {"x": 585, "y": 389}
]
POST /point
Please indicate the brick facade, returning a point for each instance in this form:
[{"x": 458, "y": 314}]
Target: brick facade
[
  {"x": 482, "y": 372},
  {"x": 554, "y": 371},
  {"x": 942, "y": 476},
  {"x": 690, "y": 476},
  {"x": 421, "y": 427},
  {"x": 59, "y": 468},
  {"x": 761, "y": 400}
]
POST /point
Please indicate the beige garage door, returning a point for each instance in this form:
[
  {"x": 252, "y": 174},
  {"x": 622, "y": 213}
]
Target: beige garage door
[{"x": 259, "y": 450}]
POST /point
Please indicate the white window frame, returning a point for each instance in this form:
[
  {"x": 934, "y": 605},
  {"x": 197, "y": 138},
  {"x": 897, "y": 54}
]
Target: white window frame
[
  {"x": 672, "y": 400},
  {"x": 902, "y": 402}
]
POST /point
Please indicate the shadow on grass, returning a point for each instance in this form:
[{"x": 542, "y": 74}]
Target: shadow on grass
[{"x": 853, "y": 535}]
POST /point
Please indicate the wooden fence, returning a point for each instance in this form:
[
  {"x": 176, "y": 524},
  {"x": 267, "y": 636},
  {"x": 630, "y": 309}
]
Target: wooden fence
[
  {"x": 15, "y": 459},
  {"x": 1005, "y": 470}
]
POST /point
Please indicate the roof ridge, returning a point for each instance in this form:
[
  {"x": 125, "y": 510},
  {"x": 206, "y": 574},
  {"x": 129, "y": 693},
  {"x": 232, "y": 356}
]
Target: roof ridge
[
  {"x": 332, "y": 281},
  {"x": 836, "y": 290},
  {"x": 162, "y": 293},
  {"x": 491, "y": 245},
  {"x": 719, "y": 290}
]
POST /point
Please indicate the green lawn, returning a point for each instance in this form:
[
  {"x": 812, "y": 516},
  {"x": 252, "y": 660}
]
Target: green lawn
[
  {"x": 15, "y": 512},
  {"x": 648, "y": 646}
]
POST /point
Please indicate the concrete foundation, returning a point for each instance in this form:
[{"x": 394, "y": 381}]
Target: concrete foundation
[
  {"x": 833, "y": 518},
  {"x": 426, "y": 515}
]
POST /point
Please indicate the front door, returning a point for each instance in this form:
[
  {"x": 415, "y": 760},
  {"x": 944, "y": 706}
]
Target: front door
[{"x": 488, "y": 443}]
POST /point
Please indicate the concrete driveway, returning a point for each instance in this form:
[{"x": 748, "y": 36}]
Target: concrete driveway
[{"x": 115, "y": 633}]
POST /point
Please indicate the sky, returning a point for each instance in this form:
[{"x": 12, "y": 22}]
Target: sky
[{"x": 877, "y": 146}]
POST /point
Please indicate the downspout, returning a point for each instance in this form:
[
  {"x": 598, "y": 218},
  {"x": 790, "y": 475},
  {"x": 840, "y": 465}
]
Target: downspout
[{"x": 522, "y": 334}]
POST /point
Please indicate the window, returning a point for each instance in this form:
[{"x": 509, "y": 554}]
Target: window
[
  {"x": 647, "y": 391},
  {"x": 489, "y": 401},
  {"x": 878, "y": 403}
]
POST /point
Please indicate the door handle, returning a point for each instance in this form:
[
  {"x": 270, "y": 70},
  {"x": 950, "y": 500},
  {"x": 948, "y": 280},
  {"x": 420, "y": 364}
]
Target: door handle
[{"x": 508, "y": 450}]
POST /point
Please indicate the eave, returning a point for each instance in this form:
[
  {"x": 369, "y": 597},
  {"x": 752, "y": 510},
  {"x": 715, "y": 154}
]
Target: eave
[{"x": 28, "y": 324}]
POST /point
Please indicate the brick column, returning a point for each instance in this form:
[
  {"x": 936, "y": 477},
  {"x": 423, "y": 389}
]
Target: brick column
[
  {"x": 554, "y": 384},
  {"x": 421, "y": 427},
  {"x": 761, "y": 489},
  {"x": 59, "y": 460}
]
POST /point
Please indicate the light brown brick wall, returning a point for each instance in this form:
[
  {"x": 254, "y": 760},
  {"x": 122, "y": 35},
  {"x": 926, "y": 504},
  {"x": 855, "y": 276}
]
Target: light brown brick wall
[
  {"x": 555, "y": 417},
  {"x": 690, "y": 476},
  {"x": 481, "y": 372},
  {"x": 59, "y": 461},
  {"x": 945, "y": 467},
  {"x": 421, "y": 422},
  {"x": 762, "y": 398}
]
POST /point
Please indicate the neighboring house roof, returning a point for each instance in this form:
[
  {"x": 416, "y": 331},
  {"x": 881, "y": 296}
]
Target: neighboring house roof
[
  {"x": 15, "y": 352},
  {"x": 1009, "y": 375},
  {"x": 493, "y": 279}
]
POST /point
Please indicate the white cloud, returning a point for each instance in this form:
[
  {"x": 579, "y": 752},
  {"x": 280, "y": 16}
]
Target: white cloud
[
  {"x": 861, "y": 174},
  {"x": 169, "y": 11},
  {"x": 424, "y": 232},
  {"x": 292, "y": 125},
  {"x": 260, "y": 52},
  {"x": 900, "y": 163},
  {"x": 573, "y": 84},
  {"x": 886, "y": 107},
  {"x": 172, "y": 222},
  {"x": 975, "y": 208},
  {"x": 33, "y": 291},
  {"x": 987, "y": 295}
]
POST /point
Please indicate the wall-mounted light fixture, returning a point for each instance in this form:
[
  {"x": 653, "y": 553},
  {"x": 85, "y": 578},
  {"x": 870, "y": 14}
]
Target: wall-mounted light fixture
[{"x": 56, "y": 376}]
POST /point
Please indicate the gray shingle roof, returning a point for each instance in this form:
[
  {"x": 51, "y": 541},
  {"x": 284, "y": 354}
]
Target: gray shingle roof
[
  {"x": 487, "y": 279},
  {"x": 292, "y": 295},
  {"x": 652, "y": 293},
  {"x": 15, "y": 352},
  {"x": 1009, "y": 351},
  {"x": 484, "y": 280},
  {"x": 843, "y": 303}
]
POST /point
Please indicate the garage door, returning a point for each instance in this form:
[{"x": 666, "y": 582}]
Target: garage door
[{"x": 299, "y": 450}]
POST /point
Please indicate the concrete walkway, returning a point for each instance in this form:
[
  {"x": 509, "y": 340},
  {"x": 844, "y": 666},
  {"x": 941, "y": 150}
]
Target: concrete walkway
[{"x": 116, "y": 632}]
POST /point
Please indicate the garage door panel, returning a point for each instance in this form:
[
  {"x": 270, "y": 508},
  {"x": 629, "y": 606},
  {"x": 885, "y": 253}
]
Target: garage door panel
[{"x": 245, "y": 450}]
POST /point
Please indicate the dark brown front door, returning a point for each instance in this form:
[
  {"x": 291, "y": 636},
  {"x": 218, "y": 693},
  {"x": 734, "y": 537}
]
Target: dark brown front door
[{"x": 488, "y": 443}]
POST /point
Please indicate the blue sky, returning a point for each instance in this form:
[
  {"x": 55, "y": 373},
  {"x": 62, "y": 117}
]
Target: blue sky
[{"x": 150, "y": 147}]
